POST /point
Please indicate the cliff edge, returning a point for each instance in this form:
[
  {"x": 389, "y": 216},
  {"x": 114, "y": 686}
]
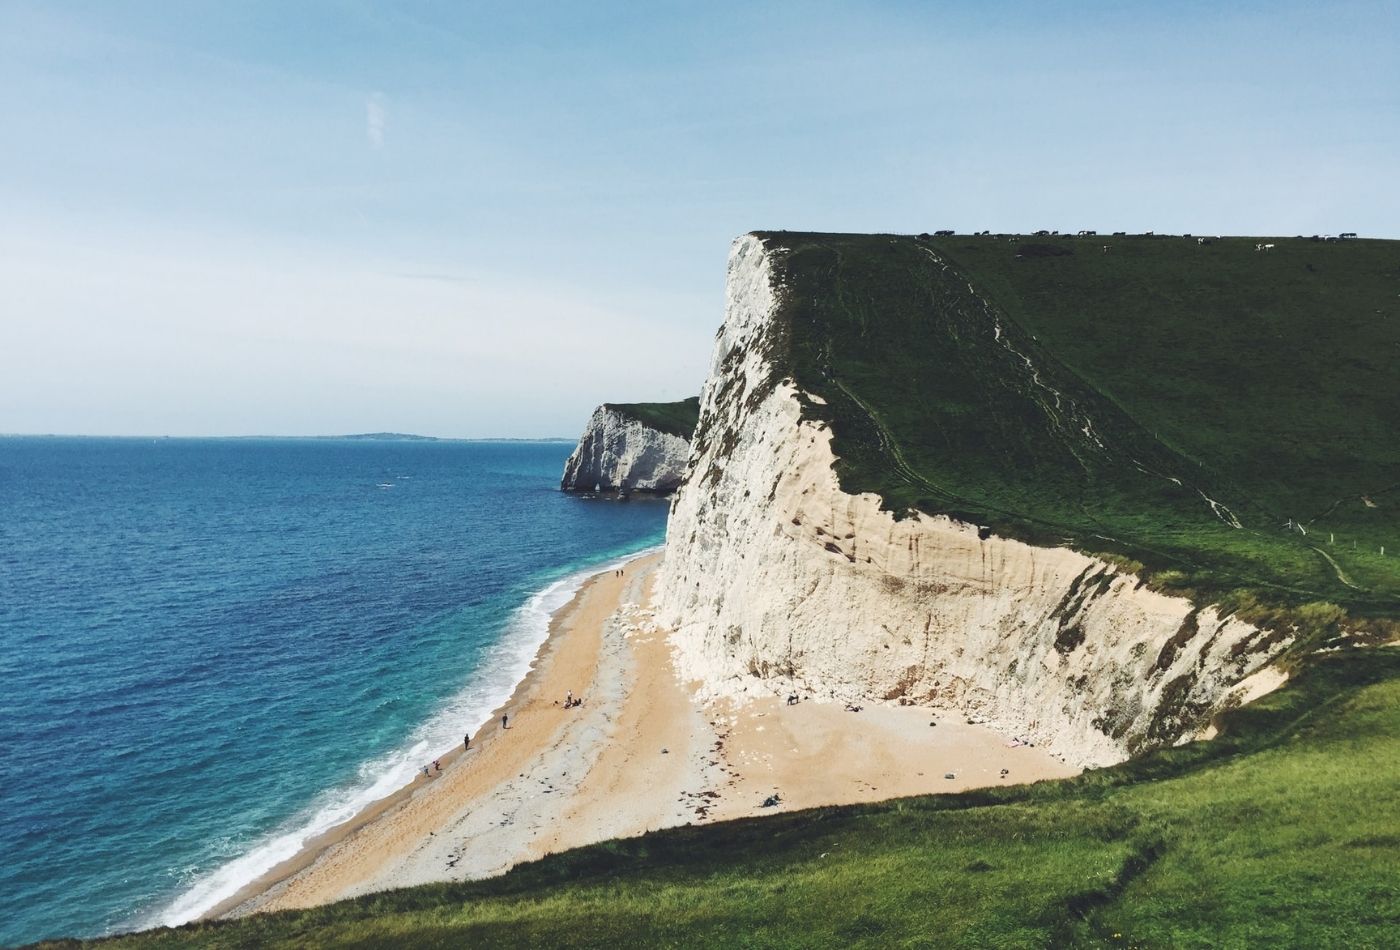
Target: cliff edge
[
  {"x": 633, "y": 447},
  {"x": 779, "y": 577}
]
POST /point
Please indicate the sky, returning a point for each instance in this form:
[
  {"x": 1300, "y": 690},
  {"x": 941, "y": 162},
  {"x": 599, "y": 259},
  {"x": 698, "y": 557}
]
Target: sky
[{"x": 483, "y": 219}]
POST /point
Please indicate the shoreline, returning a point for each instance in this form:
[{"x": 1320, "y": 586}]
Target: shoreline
[
  {"x": 642, "y": 753},
  {"x": 343, "y": 863},
  {"x": 309, "y": 849}
]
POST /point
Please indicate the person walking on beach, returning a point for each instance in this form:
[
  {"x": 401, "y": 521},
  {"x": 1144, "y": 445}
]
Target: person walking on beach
[
  {"x": 467, "y": 742},
  {"x": 505, "y": 721}
]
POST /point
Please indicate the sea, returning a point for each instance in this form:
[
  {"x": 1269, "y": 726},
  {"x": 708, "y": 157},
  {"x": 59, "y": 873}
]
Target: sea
[{"x": 213, "y": 649}]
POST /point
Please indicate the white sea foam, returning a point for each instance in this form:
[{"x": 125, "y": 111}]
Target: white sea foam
[{"x": 505, "y": 665}]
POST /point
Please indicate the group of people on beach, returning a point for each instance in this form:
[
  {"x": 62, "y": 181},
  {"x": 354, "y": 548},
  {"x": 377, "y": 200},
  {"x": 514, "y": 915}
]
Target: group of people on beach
[{"x": 570, "y": 702}]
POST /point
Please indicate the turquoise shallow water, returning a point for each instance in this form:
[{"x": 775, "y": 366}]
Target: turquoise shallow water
[{"x": 210, "y": 649}]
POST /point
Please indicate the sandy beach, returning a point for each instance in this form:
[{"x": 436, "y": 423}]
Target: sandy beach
[{"x": 641, "y": 753}]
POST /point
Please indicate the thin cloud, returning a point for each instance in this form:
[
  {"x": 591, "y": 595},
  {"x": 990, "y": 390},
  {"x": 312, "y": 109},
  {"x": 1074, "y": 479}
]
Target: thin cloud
[{"x": 376, "y": 117}]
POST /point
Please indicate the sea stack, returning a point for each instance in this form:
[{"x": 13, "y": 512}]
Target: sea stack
[{"x": 633, "y": 447}]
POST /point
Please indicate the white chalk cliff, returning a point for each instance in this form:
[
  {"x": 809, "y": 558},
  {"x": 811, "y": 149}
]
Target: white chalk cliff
[
  {"x": 619, "y": 453},
  {"x": 775, "y": 579}
]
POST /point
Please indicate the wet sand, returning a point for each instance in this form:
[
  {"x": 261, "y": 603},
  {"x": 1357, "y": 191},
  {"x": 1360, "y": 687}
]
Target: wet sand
[{"x": 640, "y": 754}]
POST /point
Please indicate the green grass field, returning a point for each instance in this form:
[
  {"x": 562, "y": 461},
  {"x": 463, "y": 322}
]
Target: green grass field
[
  {"x": 1284, "y": 831},
  {"x": 675, "y": 418},
  {"x": 1103, "y": 398}
]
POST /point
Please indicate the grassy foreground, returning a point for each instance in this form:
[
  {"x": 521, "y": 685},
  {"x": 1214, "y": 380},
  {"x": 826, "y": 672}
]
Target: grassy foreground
[{"x": 1285, "y": 831}]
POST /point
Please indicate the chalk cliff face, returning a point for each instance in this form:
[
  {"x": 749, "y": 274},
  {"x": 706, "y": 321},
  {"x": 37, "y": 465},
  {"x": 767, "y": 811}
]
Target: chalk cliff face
[
  {"x": 774, "y": 579},
  {"x": 621, "y": 453}
]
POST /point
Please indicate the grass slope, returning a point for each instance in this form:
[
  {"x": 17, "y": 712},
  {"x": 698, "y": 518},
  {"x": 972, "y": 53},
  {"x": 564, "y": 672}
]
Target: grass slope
[
  {"x": 673, "y": 418},
  {"x": 1068, "y": 394},
  {"x": 1285, "y": 831}
]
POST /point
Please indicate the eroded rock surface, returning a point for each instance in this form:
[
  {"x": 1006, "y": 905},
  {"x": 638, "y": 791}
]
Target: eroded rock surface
[
  {"x": 623, "y": 454},
  {"x": 774, "y": 579}
]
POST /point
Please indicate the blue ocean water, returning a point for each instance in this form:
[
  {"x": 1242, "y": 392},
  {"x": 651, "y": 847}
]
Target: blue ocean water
[{"x": 211, "y": 649}]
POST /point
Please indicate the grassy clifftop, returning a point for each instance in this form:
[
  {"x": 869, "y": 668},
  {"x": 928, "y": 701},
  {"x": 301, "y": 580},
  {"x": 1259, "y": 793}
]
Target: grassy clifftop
[
  {"x": 1222, "y": 414},
  {"x": 673, "y": 418}
]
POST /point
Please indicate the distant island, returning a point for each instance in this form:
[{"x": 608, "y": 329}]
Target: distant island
[{"x": 383, "y": 437}]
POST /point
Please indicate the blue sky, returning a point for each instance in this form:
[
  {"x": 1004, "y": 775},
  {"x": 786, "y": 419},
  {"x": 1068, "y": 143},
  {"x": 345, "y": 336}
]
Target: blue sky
[{"x": 481, "y": 219}]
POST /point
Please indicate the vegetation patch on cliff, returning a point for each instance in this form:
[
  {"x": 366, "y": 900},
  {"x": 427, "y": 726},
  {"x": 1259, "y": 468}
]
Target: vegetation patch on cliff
[{"x": 672, "y": 418}]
